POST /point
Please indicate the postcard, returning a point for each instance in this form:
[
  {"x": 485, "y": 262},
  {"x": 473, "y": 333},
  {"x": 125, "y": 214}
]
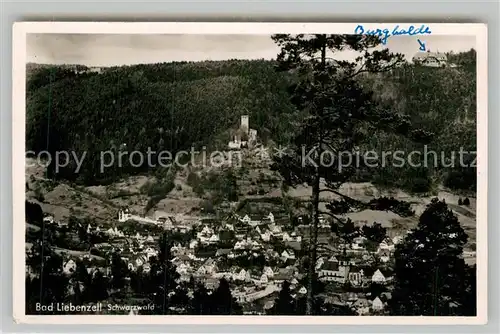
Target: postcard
[{"x": 250, "y": 173}]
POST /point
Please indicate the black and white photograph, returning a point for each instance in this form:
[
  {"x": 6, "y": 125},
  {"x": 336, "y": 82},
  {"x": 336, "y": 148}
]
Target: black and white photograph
[{"x": 257, "y": 174}]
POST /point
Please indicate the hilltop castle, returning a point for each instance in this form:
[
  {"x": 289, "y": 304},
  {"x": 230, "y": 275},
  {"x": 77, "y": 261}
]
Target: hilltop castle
[{"x": 244, "y": 136}]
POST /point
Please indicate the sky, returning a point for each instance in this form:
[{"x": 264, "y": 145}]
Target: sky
[{"x": 127, "y": 49}]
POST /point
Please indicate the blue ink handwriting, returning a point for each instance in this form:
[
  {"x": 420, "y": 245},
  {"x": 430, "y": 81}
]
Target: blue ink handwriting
[
  {"x": 384, "y": 34},
  {"x": 422, "y": 45}
]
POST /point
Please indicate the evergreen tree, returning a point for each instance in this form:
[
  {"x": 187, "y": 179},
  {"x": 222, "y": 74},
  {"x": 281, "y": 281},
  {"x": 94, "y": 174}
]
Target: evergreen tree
[
  {"x": 460, "y": 201},
  {"x": 84, "y": 280},
  {"x": 222, "y": 301},
  {"x": 466, "y": 201},
  {"x": 430, "y": 273},
  {"x": 348, "y": 231},
  {"x": 98, "y": 287},
  {"x": 469, "y": 300},
  {"x": 46, "y": 282},
  {"x": 338, "y": 111},
  {"x": 138, "y": 281},
  {"x": 119, "y": 271},
  {"x": 49, "y": 284},
  {"x": 201, "y": 303},
  {"x": 33, "y": 213},
  {"x": 285, "y": 303},
  {"x": 374, "y": 234},
  {"x": 162, "y": 277}
]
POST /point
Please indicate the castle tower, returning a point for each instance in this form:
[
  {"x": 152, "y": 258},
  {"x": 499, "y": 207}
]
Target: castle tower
[{"x": 245, "y": 123}]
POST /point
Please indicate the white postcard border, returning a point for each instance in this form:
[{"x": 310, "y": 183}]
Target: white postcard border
[{"x": 21, "y": 29}]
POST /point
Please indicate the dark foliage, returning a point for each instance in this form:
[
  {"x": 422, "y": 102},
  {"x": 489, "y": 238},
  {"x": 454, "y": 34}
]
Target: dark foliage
[{"x": 431, "y": 277}]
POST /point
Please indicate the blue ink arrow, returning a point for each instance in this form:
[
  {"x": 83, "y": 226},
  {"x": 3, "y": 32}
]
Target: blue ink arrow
[{"x": 422, "y": 45}]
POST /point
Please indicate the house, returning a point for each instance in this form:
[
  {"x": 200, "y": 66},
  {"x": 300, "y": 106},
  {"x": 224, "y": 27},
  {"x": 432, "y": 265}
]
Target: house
[
  {"x": 140, "y": 260},
  {"x": 123, "y": 215},
  {"x": 266, "y": 236},
  {"x": 239, "y": 245},
  {"x": 302, "y": 291},
  {"x": 397, "y": 239},
  {"x": 334, "y": 300},
  {"x": 295, "y": 237},
  {"x": 211, "y": 283},
  {"x": 223, "y": 252},
  {"x": 386, "y": 245},
  {"x": 193, "y": 244},
  {"x": 378, "y": 304},
  {"x": 430, "y": 59},
  {"x": 48, "y": 219},
  {"x": 246, "y": 219},
  {"x": 150, "y": 252},
  {"x": 69, "y": 267},
  {"x": 320, "y": 261},
  {"x": 381, "y": 277},
  {"x": 331, "y": 271},
  {"x": 268, "y": 271},
  {"x": 385, "y": 256},
  {"x": 355, "y": 276},
  {"x": 361, "y": 306},
  {"x": 146, "y": 268},
  {"x": 276, "y": 230},
  {"x": 288, "y": 255},
  {"x": 208, "y": 268},
  {"x": 175, "y": 248},
  {"x": 334, "y": 270},
  {"x": 183, "y": 268},
  {"x": 270, "y": 216},
  {"x": 214, "y": 239},
  {"x": 243, "y": 275},
  {"x": 263, "y": 279},
  {"x": 281, "y": 275}
]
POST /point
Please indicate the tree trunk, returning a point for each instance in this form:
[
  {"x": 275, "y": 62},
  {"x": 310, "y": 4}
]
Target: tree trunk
[
  {"x": 315, "y": 208},
  {"x": 313, "y": 244}
]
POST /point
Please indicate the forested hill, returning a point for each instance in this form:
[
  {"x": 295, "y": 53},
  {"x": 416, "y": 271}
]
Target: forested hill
[
  {"x": 173, "y": 106},
  {"x": 163, "y": 106}
]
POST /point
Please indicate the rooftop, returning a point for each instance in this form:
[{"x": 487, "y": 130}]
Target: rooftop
[{"x": 429, "y": 54}]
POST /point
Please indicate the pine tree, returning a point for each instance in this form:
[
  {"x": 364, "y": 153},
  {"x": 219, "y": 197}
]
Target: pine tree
[
  {"x": 347, "y": 232},
  {"x": 337, "y": 112},
  {"x": 84, "y": 280},
  {"x": 222, "y": 301},
  {"x": 374, "y": 234},
  {"x": 162, "y": 277},
  {"x": 98, "y": 287},
  {"x": 284, "y": 304},
  {"x": 119, "y": 271},
  {"x": 430, "y": 273},
  {"x": 46, "y": 284},
  {"x": 200, "y": 304},
  {"x": 466, "y": 201},
  {"x": 460, "y": 201}
]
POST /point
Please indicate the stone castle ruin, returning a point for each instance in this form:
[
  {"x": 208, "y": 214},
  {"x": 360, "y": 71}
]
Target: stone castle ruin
[{"x": 244, "y": 137}]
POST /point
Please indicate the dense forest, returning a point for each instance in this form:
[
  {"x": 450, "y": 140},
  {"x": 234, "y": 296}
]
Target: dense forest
[{"x": 174, "y": 106}]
